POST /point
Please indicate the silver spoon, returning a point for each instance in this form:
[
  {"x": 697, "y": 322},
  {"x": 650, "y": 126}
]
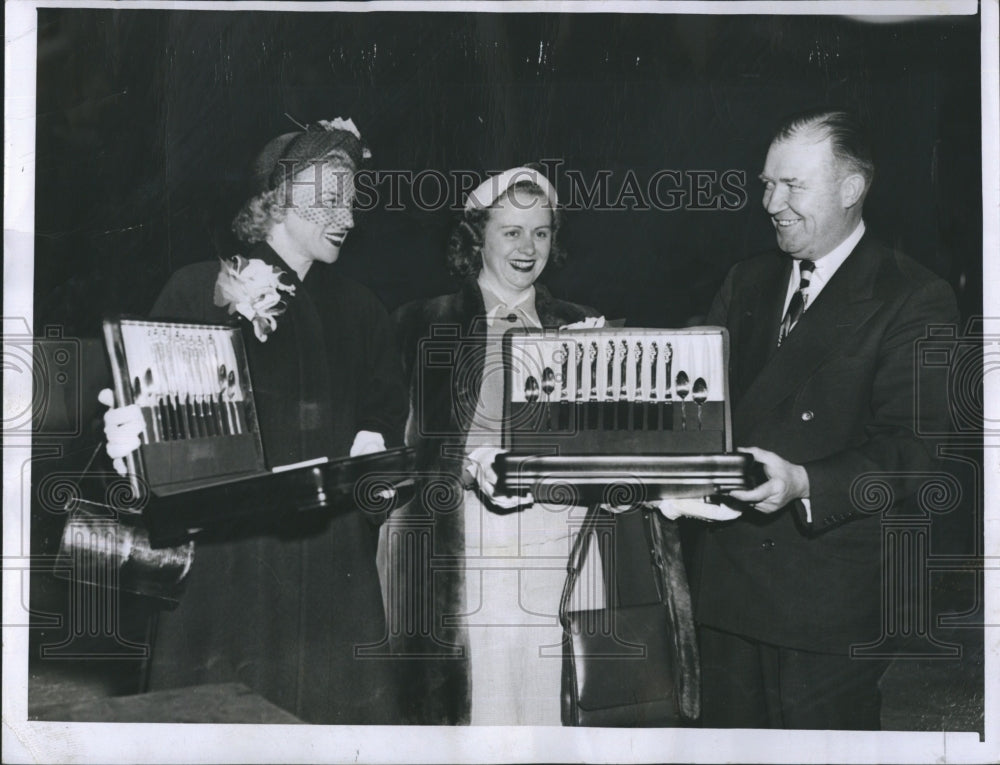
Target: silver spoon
[
  {"x": 681, "y": 388},
  {"x": 548, "y": 382},
  {"x": 548, "y": 386},
  {"x": 531, "y": 390},
  {"x": 699, "y": 394}
]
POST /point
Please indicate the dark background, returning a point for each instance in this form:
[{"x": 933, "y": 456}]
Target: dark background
[{"x": 148, "y": 119}]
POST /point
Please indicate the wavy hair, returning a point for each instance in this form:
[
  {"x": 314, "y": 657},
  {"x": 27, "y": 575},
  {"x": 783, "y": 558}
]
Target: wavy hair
[
  {"x": 849, "y": 139},
  {"x": 258, "y": 216},
  {"x": 465, "y": 246}
]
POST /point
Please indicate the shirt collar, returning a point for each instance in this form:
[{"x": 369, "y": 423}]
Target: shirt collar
[
  {"x": 827, "y": 266},
  {"x": 496, "y": 309}
]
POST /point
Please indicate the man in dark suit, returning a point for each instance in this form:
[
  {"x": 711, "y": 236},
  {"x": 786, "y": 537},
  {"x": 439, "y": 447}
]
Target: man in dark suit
[{"x": 823, "y": 376}]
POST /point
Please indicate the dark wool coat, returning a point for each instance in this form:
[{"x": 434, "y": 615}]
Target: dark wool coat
[
  {"x": 443, "y": 342},
  {"x": 839, "y": 397},
  {"x": 282, "y": 607}
]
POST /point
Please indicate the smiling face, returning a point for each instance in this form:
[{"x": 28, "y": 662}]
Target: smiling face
[
  {"x": 812, "y": 205},
  {"x": 517, "y": 240},
  {"x": 320, "y": 215}
]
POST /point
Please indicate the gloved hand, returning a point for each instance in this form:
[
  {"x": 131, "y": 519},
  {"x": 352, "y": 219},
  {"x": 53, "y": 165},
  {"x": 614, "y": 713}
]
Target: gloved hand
[
  {"x": 479, "y": 464},
  {"x": 370, "y": 442},
  {"x": 367, "y": 442},
  {"x": 122, "y": 427},
  {"x": 616, "y": 509},
  {"x": 696, "y": 508}
]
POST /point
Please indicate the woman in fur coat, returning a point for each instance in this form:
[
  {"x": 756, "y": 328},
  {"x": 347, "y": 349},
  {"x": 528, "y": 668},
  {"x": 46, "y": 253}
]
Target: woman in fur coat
[{"x": 472, "y": 578}]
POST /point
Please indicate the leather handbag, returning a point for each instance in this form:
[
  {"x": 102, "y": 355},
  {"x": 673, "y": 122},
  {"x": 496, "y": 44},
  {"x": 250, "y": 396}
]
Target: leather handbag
[{"x": 629, "y": 666}]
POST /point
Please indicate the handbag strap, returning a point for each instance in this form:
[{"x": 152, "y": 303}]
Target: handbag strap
[{"x": 578, "y": 557}]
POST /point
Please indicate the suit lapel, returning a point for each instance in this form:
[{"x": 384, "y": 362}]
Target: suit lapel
[
  {"x": 758, "y": 338},
  {"x": 845, "y": 303}
]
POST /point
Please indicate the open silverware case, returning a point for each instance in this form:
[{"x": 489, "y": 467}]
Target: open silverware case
[
  {"x": 619, "y": 412},
  {"x": 192, "y": 385},
  {"x": 617, "y": 391},
  {"x": 201, "y": 465}
]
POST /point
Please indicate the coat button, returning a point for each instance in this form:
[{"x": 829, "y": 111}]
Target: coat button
[
  {"x": 807, "y": 415},
  {"x": 767, "y": 544}
]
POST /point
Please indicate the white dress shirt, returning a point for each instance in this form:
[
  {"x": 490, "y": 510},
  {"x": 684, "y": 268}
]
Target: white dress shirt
[
  {"x": 524, "y": 312},
  {"x": 824, "y": 270},
  {"x": 486, "y": 421}
]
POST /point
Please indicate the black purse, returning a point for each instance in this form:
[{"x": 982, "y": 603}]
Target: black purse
[{"x": 637, "y": 665}]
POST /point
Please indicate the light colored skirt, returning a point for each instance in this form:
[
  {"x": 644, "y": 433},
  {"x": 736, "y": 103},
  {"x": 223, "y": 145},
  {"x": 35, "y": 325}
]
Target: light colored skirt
[
  {"x": 515, "y": 571},
  {"x": 515, "y": 568}
]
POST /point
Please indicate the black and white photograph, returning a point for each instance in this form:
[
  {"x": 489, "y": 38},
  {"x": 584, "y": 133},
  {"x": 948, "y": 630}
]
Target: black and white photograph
[{"x": 500, "y": 382}]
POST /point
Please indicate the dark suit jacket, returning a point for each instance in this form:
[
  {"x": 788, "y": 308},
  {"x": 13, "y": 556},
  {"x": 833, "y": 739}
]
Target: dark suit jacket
[{"x": 839, "y": 398}]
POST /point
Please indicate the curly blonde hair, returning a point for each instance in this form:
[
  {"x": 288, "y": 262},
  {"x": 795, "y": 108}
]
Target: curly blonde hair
[{"x": 258, "y": 216}]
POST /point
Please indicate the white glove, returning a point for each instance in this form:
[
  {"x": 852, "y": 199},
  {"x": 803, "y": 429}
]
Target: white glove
[
  {"x": 479, "y": 464},
  {"x": 591, "y": 322},
  {"x": 370, "y": 442},
  {"x": 122, "y": 427},
  {"x": 696, "y": 508},
  {"x": 367, "y": 442}
]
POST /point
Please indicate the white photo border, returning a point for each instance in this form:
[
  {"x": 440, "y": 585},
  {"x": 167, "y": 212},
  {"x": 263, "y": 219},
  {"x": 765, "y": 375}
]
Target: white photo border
[{"x": 50, "y": 742}]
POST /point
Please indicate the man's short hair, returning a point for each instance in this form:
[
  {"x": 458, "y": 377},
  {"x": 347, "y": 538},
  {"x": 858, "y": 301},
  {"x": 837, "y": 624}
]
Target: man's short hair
[{"x": 848, "y": 137}]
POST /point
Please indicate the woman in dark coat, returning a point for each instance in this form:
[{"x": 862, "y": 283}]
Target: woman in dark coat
[
  {"x": 282, "y": 606},
  {"x": 473, "y": 580}
]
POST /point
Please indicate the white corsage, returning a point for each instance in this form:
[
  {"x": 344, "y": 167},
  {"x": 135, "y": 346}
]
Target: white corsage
[
  {"x": 348, "y": 125},
  {"x": 591, "y": 322},
  {"x": 252, "y": 289}
]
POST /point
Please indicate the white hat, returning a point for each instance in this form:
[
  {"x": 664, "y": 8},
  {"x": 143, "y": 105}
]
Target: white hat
[{"x": 487, "y": 192}]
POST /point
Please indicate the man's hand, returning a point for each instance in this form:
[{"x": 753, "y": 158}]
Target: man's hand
[
  {"x": 696, "y": 508},
  {"x": 122, "y": 428},
  {"x": 479, "y": 464},
  {"x": 785, "y": 483}
]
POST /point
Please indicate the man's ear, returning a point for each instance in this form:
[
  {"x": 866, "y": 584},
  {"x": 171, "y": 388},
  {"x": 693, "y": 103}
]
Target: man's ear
[{"x": 852, "y": 189}]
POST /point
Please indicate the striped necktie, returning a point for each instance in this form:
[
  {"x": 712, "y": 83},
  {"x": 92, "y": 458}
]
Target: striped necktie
[{"x": 798, "y": 302}]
